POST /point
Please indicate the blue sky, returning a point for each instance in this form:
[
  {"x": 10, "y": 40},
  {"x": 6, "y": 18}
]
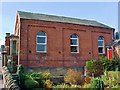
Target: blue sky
[{"x": 104, "y": 12}]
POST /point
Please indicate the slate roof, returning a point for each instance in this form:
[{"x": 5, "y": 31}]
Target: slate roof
[
  {"x": 53, "y": 18},
  {"x": 113, "y": 43}
]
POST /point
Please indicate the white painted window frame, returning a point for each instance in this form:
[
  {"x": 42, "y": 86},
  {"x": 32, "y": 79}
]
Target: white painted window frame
[
  {"x": 41, "y": 43},
  {"x": 103, "y": 47},
  {"x": 74, "y": 45}
]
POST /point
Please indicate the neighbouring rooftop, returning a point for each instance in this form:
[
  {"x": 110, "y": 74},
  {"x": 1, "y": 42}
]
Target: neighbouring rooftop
[{"x": 53, "y": 18}]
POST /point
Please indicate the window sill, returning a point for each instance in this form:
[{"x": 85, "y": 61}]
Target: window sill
[
  {"x": 75, "y": 54},
  {"x": 41, "y": 53},
  {"x": 101, "y": 53}
]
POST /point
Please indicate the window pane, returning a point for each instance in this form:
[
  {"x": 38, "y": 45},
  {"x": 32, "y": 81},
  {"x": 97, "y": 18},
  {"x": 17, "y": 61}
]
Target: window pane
[
  {"x": 41, "y": 47},
  {"x": 100, "y": 43},
  {"x": 73, "y": 36},
  {"x": 100, "y": 50},
  {"x": 74, "y": 49},
  {"x": 100, "y": 38},
  {"x": 41, "y": 33},
  {"x": 73, "y": 42},
  {"x": 40, "y": 39}
]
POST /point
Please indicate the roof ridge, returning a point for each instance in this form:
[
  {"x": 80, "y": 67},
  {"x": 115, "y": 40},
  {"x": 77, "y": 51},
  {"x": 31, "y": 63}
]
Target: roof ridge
[
  {"x": 64, "y": 19},
  {"x": 57, "y": 16}
]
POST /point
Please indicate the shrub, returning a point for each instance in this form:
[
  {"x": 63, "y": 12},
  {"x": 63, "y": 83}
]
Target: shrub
[
  {"x": 116, "y": 87},
  {"x": 46, "y": 75},
  {"x": 94, "y": 67},
  {"x": 105, "y": 79},
  {"x": 20, "y": 68},
  {"x": 111, "y": 65},
  {"x": 90, "y": 66},
  {"x": 97, "y": 84},
  {"x": 66, "y": 87},
  {"x": 22, "y": 78},
  {"x": 61, "y": 87},
  {"x": 114, "y": 78},
  {"x": 31, "y": 84},
  {"x": 111, "y": 78},
  {"x": 87, "y": 86},
  {"x": 107, "y": 64},
  {"x": 38, "y": 77},
  {"x": 41, "y": 78},
  {"x": 73, "y": 77},
  {"x": 47, "y": 84}
]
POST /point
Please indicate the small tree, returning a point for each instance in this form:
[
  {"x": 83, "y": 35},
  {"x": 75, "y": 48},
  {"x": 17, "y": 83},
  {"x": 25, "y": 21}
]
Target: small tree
[{"x": 94, "y": 67}]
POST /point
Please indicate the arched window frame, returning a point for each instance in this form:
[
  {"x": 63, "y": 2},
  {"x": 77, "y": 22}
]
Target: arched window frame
[
  {"x": 74, "y": 45},
  {"x": 41, "y": 44},
  {"x": 101, "y": 45}
]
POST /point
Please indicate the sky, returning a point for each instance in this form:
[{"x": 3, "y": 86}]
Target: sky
[{"x": 104, "y": 12}]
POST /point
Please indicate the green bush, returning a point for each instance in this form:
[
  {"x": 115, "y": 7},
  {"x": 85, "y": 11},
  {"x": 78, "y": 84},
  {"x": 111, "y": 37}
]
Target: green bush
[
  {"x": 31, "y": 83},
  {"x": 38, "y": 77},
  {"x": 116, "y": 87},
  {"x": 97, "y": 84},
  {"x": 94, "y": 68},
  {"x": 114, "y": 78},
  {"x": 46, "y": 75},
  {"x": 111, "y": 65},
  {"x": 22, "y": 78},
  {"x": 61, "y": 87},
  {"x": 87, "y": 86},
  {"x": 73, "y": 77},
  {"x": 20, "y": 69},
  {"x": 66, "y": 87},
  {"x": 41, "y": 78},
  {"x": 105, "y": 79},
  {"x": 111, "y": 78}
]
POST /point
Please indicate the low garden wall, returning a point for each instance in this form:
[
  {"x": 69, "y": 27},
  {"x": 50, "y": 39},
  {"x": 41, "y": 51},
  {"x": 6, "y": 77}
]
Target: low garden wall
[{"x": 8, "y": 81}]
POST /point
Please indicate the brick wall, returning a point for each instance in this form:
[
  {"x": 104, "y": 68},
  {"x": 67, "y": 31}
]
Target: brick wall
[{"x": 58, "y": 43}]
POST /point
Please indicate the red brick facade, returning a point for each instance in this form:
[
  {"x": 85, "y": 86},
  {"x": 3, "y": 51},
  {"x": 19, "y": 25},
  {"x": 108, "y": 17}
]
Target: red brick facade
[{"x": 58, "y": 43}]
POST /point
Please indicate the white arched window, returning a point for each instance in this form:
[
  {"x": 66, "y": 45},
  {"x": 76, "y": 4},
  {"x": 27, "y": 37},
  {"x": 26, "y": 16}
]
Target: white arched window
[
  {"x": 101, "y": 45},
  {"x": 41, "y": 41},
  {"x": 74, "y": 43}
]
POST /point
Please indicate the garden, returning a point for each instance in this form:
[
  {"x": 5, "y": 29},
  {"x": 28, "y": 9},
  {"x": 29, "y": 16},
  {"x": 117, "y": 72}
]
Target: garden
[{"x": 99, "y": 75}]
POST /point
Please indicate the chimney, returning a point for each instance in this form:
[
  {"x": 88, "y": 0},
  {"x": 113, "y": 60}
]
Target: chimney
[
  {"x": 7, "y": 39},
  {"x": 7, "y": 34},
  {"x": 7, "y": 42}
]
